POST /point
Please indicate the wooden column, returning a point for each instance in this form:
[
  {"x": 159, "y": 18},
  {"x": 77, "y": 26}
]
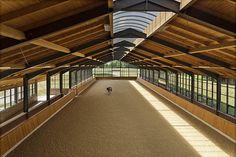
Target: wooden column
[
  {"x": 16, "y": 95},
  {"x": 61, "y": 83},
  {"x": 70, "y": 79},
  {"x": 167, "y": 80},
  {"x": 26, "y": 93},
  {"x": 48, "y": 82},
  {"x": 177, "y": 83},
  {"x": 218, "y": 94},
  {"x": 36, "y": 88},
  {"x": 76, "y": 77}
]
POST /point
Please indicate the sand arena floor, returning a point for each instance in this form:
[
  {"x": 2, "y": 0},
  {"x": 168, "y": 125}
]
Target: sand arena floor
[{"x": 123, "y": 124}]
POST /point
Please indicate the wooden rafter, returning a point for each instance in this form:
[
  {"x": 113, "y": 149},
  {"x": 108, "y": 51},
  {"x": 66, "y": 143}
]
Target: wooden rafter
[
  {"x": 11, "y": 32},
  {"x": 54, "y": 27},
  {"x": 30, "y": 9},
  {"x": 186, "y": 51}
]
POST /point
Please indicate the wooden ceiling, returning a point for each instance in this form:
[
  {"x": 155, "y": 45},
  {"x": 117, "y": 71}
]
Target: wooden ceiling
[
  {"x": 195, "y": 41},
  {"x": 41, "y": 35}
]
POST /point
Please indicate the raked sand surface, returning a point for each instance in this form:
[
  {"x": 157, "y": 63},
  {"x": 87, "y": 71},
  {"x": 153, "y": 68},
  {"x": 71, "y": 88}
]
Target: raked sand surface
[{"x": 123, "y": 124}]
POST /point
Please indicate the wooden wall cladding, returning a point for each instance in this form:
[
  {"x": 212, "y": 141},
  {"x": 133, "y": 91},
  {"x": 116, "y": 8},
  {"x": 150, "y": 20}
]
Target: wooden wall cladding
[
  {"x": 226, "y": 127},
  {"x": 83, "y": 86},
  {"x": 16, "y": 109},
  {"x": 14, "y": 136}
]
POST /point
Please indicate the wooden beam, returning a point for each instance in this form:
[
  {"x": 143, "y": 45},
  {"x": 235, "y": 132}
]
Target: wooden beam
[
  {"x": 50, "y": 45},
  {"x": 209, "y": 20},
  {"x": 194, "y": 31},
  {"x": 213, "y": 47},
  {"x": 177, "y": 63},
  {"x": 232, "y": 1},
  {"x": 101, "y": 50},
  {"x": 186, "y": 51},
  {"x": 78, "y": 54},
  {"x": 206, "y": 49},
  {"x": 175, "y": 55},
  {"x": 89, "y": 44},
  {"x": 30, "y": 9},
  {"x": 227, "y": 53},
  {"x": 11, "y": 32},
  {"x": 19, "y": 35},
  {"x": 16, "y": 34},
  {"x": 102, "y": 53},
  {"x": 56, "y": 26}
]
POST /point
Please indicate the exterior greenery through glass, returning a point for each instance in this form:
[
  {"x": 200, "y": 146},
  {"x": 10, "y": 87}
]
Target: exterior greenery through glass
[
  {"x": 116, "y": 69},
  {"x": 13, "y": 96},
  {"x": 196, "y": 88},
  {"x": 55, "y": 81},
  {"x": 184, "y": 84}
]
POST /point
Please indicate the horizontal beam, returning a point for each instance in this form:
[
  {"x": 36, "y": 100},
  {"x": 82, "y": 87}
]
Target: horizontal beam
[
  {"x": 159, "y": 55},
  {"x": 19, "y": 35},
  {"x": 186, "y": 51},
  {"x": 178, "y": 63},
  {"x": 36, "y": 73},
  {"x": 51, "y": 28},
  {"x": 101, "y": 50},
  {"x": 11, "y": 32},
  {"x": 50, "y": 45},
  {"x": 209, "y": 20},
  {"x": 213, "y": 47},
  {"x": 89, "y": 44},
  {"x": 29, "y": 10}
]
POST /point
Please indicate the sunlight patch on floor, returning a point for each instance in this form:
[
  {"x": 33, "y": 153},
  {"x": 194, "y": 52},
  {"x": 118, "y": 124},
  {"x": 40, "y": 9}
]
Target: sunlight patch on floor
[{"x": 204, "y": 146}]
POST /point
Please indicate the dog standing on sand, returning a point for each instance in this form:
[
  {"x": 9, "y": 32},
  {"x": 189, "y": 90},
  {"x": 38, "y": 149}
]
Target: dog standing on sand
[{"x": 109, "y": 90}]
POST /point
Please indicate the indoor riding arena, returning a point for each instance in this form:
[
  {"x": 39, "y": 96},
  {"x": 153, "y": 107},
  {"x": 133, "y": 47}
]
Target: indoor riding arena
[{"x": 118, "y": 78}]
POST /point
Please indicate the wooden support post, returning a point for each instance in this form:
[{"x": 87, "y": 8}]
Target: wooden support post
[
  {"x": 167, "y": 81},
  {"x": 61, "y": 83},
  {"x": 70, "y": 80},
  {"x": 36, "y": 88},
  {"x": 149, "y": 79},
  {"x": 48, "y": 82},
  {"x": 76, "y": 78},
  {"x": 16, "y": 95},
  {"x": 26, "y": 93},
  {"x": 145, "y": 74},
  {"x": 177, "y": 83},
  {"x": 235, "y": 98},
  {"x": 207, "y": 100},
  {"x": 218, "y": 94},
  {"x": 86, "y": 73}
]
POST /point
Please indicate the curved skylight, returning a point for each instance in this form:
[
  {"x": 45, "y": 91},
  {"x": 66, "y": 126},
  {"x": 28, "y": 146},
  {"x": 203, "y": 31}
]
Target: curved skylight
[
  {"x": 123, "y": 20},
  {"x": 136, "y": 20}
]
